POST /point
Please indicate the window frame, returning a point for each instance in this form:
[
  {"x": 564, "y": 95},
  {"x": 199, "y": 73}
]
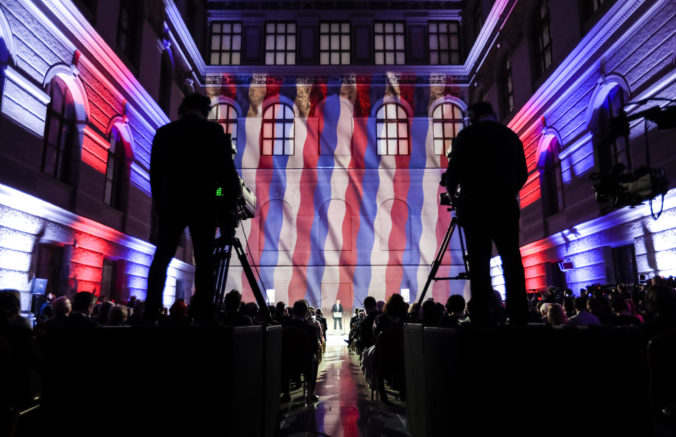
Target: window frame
[
  {"x": 288, "y": 142},
  {"x": 543, "y": 46},
  {"x": 286, "y": 51},
  {"x": 551, "y": 185},
  {"x": 399, "y": 53},
  {"x": 398, "y": 122},
  {"x": 506, "y": 87},
  {"x": 231, "y": 52},
  {"x": 130, "y": 29},
  {"x": 227, "y": 123},
  {"x": 607, "y": 159},
  {"x": 115, "y": 176},
  {"x": 65, "y": 125},
  {"x": 443, "y": 121},
  {"x": 450, "y": 52},
  {"x": 342, "y": 37}
]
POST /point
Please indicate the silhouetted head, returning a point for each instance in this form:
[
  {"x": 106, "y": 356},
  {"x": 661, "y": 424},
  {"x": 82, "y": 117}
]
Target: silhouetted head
[
  {"x": 300, "y": 309},
  {"x": 455, "y": 304},
  {"x": 480, "y": 111},
  {"x": 10, "y": 305},
  {"x": 660, "y": 301},
  {"x": 395, "y": 306},
  {"x": 83, "y": 302},
  {"x": 581, "y": 303},
  {"x": 195, "y": 103},
  {"x": 233, "y": 300},
  {"x": 370, "y": 304}
]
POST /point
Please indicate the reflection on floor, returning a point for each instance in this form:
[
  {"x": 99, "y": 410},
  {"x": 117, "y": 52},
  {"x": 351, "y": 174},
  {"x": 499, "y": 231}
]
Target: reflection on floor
[{"x": 345, "y": 408}]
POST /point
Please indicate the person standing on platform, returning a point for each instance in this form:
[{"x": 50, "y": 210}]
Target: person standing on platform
[
  {"x": 337, "y": 310},
  {"x": 193, "y": 182},
  {"x": 487, "y": 162}
]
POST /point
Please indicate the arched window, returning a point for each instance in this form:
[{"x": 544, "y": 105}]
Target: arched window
[
  {"x": 117, "y": 173},
  {"x": 278, "y": 130},
  {"x": 543, "y": 39},
  {"x": 610, "y": 149},
  {"x": 225, "y": 114},
  {"x": 447, "y": 121},
  {"x": 392, "y": 130},
  {"x": 551, "y": 180},
  {"x": 60, "y": 132}
]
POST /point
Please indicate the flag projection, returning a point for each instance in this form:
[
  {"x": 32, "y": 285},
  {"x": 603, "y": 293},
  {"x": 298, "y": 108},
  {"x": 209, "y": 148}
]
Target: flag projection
[{"x": 347, "y": 181}]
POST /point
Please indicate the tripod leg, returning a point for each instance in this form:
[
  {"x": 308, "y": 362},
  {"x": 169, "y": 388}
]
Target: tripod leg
[
  {"x": 223, "y": 255},
  {"x": 465, "y": 255},
  {"x": 438, "y": 259},
  {"x": 258, "y": 294}
]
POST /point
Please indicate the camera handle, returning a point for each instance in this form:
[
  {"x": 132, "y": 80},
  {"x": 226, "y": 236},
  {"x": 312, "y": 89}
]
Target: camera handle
[{"x": 440, "y": 256}]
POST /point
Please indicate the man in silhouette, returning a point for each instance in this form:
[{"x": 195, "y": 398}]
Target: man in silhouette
[
  {"x": 337, "y": 310},
  {"x": 194, "y": 183},
  {"x": 487, "y": 162}
]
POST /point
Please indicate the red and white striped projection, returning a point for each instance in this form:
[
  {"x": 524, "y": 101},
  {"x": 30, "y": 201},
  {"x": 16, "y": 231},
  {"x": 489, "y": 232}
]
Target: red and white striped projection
[{"x": 335, "y": 219}]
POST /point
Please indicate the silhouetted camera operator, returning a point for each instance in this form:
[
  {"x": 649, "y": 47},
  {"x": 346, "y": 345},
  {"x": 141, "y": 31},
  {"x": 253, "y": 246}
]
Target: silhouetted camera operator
[
  {"x": 194, "y": 184},
  {"x": 487, "y": 162}
]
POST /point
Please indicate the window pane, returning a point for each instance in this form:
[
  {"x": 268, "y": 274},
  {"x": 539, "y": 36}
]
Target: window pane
[
  {"x": 403, "y": 130},
  {"x": 443, "y": 43},
  {"x": 215, "y": 42},
  {"x": 380, "y": 58},
  {"x": 281, "y": 28},
  {"x": 324, "y": 27},
  {"x": 400, "y": 58},
  {"x": 270, "y": 28},
  {"x": 389, "y": 58},
  {"x": 455, "y": 44},
  {"x": 345, "y": 58},
  {"x": 403, "y": 147},
  {"x": 433, "y": 42},
  {"x": 267, "y": 147},
  {"x": 324, "y": 58},
  {"x": 400, "y": 42},
  {"x": 335, "y": 58},
  {"x": 389, "y": 28},
  {"x": 391, "y": 111},
  {"x": 291, "y": 28},
  {"x": 270, "y": 42},
  {"x": 281, "y": 42},
  {"x": 434, "y": 58},
  {"x": 235, "y": 59},
  {"x": 345, "y": 42},
  {"x": 335, "y": 27},
  {"x": 237, "y": 28},
  {"x": 391, "y": 147},
  {"x": 389, "y": 42},
  {"x": 458, "y": 127},
  {"x": 267, "y": 130},
  {"x": 225, "y": 59},
  {"x": 324, "y": 42},
  {"x": 443, "y": 28},
  {"x": 433, "y": 27},
  {"x": 382, "y": 147},
  {"x": 391, "y": 130},
  {"x": 335, "y": 42},
  {"x": 291, "y": 42},
  {"x": 445, "y": 58},
  {"x": 438, "y": 132},
  {"x": 379, "y": 27},
  {"x": 279, "y": 60},
  {"x": 379, "y": 42},
  {"x": 400, "y": 27},
  {"x": 225, "y": 42},
  {"x": 237, "y": 42},
  {"x": 290, "y": 58},
  {"x": 345, "y": 28},
  {"x": 279, "y": 147},
  {"x": 214, "y": 58},
  {"x": 216, "y": 27}
]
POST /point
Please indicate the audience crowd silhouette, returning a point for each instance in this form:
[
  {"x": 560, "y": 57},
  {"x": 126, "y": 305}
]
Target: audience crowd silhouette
[{"x": 376, "y": 331}]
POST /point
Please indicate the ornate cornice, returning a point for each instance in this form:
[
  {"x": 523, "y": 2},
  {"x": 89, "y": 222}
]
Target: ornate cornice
[{"x": 335, "y": 5}]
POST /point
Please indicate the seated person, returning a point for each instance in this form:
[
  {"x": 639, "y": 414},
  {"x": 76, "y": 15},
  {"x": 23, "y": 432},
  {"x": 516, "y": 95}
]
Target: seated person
[{"x": 233, "y": 316}]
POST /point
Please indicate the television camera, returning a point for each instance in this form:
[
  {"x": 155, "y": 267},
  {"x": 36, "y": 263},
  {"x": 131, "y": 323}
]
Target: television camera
[{"x": 622, "y": 186}]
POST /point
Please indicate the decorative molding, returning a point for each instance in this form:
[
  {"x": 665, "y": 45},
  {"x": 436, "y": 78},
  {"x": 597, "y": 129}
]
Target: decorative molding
[{"x": 585, "y": 51}]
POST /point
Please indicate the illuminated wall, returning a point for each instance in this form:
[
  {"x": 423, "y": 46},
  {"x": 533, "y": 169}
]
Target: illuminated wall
[{"x": 41, "y": 42}]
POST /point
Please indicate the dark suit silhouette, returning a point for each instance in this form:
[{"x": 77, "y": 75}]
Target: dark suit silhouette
[
  {"x": 190, "y": 160},
  {"x": 337, "y": 308},
  {"x": 488, "y": 163}
]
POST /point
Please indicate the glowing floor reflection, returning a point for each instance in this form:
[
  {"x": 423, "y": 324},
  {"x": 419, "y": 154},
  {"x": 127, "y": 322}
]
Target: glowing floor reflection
[{"x": 345, "y": 408}]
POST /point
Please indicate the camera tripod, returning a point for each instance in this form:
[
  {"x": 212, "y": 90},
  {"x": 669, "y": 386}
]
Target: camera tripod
[
  {"x": 223, "y": 254},
  {"x": 440, "y": 256}
]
